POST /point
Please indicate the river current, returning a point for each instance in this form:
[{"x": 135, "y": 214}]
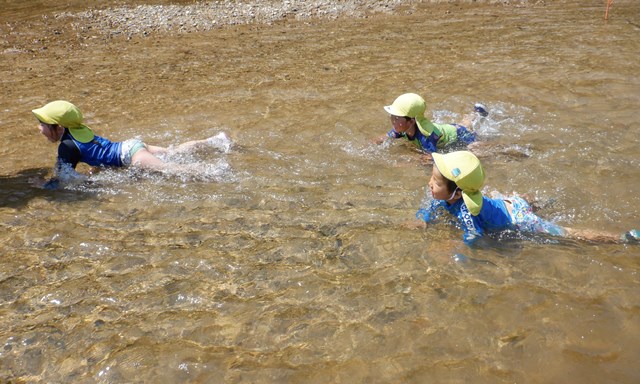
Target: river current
[{"x": 279, "y": 254}]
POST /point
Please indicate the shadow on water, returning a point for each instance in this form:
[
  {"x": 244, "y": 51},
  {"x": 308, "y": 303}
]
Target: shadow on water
[{"x": 16, "y": 191}]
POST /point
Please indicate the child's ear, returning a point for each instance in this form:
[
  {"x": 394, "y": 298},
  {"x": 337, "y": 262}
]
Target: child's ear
[{"x": 458, "y": 193}]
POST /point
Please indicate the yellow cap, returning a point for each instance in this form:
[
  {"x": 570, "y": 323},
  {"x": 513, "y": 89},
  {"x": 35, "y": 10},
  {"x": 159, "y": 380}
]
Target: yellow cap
[
  {"x": 66, "y": 115},
  {"x": 413, "y": 106},
  {"x": 463, "y": 168}
]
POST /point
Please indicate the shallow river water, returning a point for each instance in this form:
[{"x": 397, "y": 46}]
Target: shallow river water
[{"x": 279, "y": 256}]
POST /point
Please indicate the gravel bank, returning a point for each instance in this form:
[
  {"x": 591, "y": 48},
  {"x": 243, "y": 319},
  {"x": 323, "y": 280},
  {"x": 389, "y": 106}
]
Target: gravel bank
[
  {"x": 147, "y": 19},
  {"x": 202, "y": 16}
]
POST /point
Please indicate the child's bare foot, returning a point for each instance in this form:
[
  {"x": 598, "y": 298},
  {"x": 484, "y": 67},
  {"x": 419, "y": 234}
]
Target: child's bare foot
[
  {"x": 219, "y": 141},
  {"x": 481, "y": 109}
]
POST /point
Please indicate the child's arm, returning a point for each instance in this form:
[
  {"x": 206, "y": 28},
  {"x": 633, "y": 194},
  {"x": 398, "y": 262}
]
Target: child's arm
[
  {"x": 432, "y": 212},
  {"x": 414, "y": 224},
  {"x": 64, "y": 173},
  {"x": 424, "y": 216},
  {"x": 392, "y": 134},
  {"x": 380, "y": 140}
]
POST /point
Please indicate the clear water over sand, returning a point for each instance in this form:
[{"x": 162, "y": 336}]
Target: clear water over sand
[{"x": 284, "y": 260}]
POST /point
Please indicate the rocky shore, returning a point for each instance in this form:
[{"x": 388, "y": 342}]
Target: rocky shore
[
  {"x": 145, "y": 19},
  {"x": 202, "y": 16}
]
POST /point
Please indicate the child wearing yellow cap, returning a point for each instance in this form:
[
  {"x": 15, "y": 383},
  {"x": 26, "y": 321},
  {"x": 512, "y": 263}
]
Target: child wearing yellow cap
[
  {"x": 60, "y": 121},
  {"x": 408, "y": 121},
  {"x": 455, "y": 185}
]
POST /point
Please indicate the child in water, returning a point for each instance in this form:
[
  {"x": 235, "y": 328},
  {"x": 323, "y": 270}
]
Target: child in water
[
  {"x": 408, "y": 121},
  {"x": 61, "y": 121},
  {"x": 455, "y": 186}
]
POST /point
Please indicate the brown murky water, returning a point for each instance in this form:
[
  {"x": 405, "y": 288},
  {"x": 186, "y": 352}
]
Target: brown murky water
[{"x": 284, "y": 260}]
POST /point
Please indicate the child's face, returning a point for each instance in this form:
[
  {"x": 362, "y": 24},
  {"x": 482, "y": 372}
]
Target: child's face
[
  {"x": 439, "y": 185},
  {"x": 400, "y": 123},
  {"x": 53, "y": 133}
]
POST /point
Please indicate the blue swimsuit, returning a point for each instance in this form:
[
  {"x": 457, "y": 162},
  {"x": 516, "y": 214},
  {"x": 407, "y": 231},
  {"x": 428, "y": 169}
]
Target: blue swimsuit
[
  {"x": 97, "y": 152},
  {"x": 433, "y": 142},
  {"x": 493, "y": 217}
]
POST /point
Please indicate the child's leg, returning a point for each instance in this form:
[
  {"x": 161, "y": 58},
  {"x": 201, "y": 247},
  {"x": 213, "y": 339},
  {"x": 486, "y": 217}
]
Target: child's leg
[
  {"x": 145, "y": 159},
  {"x": 184, "y": 147},
  {"x": 465, "y": 136},
  {"x": 155, "y": 150},
  {"x": 525, "y": 220},
  {"x": 593, "y": 235},
  {"x": 191, "y": 145},
  {"x": 468, "y": 120}
]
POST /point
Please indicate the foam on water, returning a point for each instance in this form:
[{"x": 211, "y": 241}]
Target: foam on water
[
  {"x": 286, "y": 262},
  {"x": 203, "y": 165}
]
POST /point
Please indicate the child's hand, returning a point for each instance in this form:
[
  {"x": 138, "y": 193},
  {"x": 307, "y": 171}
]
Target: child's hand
[
  {"x": 51, "y": 184},
  {"x": 379, "y": 140},
  {"x": 94, "y": 170},
  {"x": 426, "y": 159},
  {"x": 414, "y": 224}
]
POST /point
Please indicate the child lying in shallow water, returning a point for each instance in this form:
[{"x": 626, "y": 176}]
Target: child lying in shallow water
[
  {"x": 408, "y": 121},
  {"x": 455, "y": 186},
  {"x": 61, "y": 121}
]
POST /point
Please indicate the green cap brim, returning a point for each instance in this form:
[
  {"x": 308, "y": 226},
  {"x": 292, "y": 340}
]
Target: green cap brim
[
  {"x": 390, "y": 109},
  {"x": 438, "y": 160},
  {"x": 42, "y": 116}
]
